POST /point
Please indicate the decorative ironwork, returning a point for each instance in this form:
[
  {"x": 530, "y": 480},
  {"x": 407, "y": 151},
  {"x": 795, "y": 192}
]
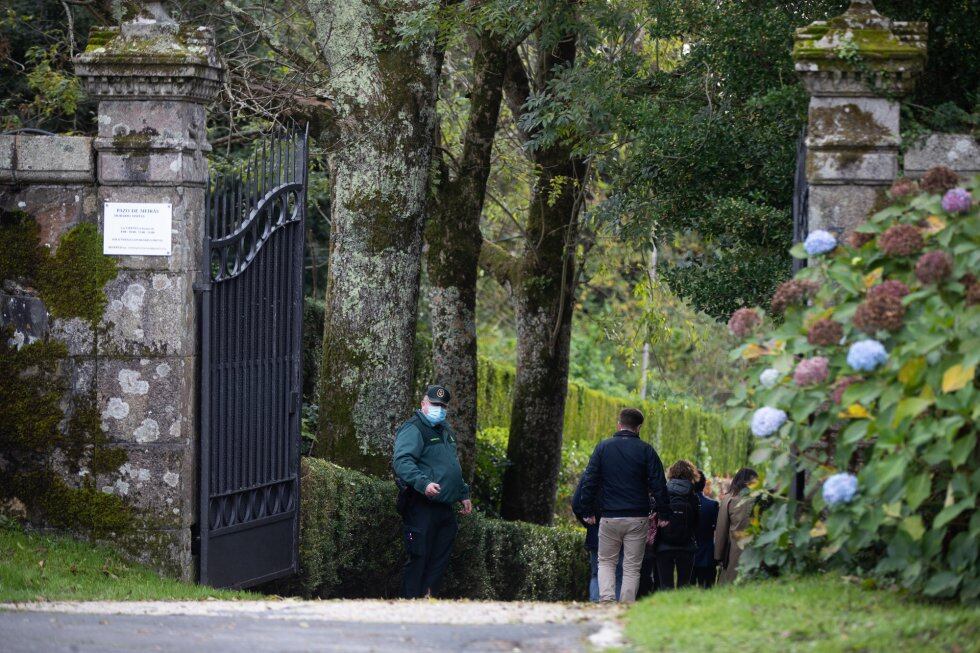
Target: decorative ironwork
[
  {"x": 251, "y": 305},
  {"x": 801, "y": 199}
]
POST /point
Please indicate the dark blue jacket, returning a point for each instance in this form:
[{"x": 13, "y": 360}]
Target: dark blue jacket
[
  {"x": 591, "y": 530},
  {"x": 705, "y": 555},
  {"x": 627, "y": 471}
]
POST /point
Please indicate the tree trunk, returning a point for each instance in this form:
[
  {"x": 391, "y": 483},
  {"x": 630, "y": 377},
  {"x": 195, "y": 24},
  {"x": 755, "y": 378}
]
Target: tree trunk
[
  {"x": 454, "y": 239},
  {"x": 544, "y": 293},
  {"x": 384, "y": 98}
]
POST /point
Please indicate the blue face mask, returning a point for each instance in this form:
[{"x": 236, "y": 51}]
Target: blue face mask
[{"x": 435, "y": 414}]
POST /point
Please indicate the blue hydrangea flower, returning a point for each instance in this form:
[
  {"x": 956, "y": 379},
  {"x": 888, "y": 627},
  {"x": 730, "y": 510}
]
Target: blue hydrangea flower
[
  {"x": 767, "y": 420},
  {"x": 819, "y": 242},
  {"x": 840, "y": 488},
  {"x": 769, "y": 377},
  {"x": 866, "y": 355},
  {"x": 957, "y": 200}
]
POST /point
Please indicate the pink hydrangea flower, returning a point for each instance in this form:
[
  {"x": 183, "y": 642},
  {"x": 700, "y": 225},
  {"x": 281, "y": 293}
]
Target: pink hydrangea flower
[{"x": 811, "y": 371}]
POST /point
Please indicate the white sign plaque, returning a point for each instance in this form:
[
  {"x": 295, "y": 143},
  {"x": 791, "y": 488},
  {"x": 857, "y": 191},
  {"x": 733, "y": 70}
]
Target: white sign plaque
[{"x": 139, "y": 229}]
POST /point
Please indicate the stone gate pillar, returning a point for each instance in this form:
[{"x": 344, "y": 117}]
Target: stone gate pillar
[
  {"x": 152, "y": 78},
  {"x": 856, "y": 68}
]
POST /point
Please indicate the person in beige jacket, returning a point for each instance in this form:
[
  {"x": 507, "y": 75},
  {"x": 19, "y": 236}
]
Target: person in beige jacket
[{"x": 734, "y": 514}]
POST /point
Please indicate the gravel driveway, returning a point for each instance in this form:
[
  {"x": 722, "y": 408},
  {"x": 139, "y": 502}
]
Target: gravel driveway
[{"x": 293, "y": 625}]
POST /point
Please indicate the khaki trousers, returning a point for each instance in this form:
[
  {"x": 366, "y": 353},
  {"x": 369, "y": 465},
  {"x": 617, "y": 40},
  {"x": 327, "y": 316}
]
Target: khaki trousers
[{"x": 630, "y": 535}]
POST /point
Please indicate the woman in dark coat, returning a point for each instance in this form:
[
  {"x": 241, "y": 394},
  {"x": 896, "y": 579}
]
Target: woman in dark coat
[
  {"x": 734, "y": 515},
  {"x": 676, "y": 543}
]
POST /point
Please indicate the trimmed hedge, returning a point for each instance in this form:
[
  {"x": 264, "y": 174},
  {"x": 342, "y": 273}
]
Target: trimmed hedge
[
  {"x": 677, "y": 429},
  {"x": 350, "y": 546}
]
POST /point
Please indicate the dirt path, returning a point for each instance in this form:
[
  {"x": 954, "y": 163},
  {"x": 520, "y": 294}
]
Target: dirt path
[{"x": 292, "y": 625}]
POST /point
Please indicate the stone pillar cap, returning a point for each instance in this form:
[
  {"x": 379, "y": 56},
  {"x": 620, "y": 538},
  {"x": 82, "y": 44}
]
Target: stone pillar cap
[
  {"x": 860, "y": 50},
  {"x": 150, "y": 57}
]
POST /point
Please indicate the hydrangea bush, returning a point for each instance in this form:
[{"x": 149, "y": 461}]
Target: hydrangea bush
[{"x": 868, "y": 385}]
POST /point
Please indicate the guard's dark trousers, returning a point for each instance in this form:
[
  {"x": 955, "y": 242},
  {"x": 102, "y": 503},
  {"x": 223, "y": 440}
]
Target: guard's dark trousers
[{"x": 429, "y": 530}]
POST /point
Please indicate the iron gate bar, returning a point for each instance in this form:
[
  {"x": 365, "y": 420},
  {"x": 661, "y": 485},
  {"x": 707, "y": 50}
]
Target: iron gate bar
[{"x": 251, "y": 321}]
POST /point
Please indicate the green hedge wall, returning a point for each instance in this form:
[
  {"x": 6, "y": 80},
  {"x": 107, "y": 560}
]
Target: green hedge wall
[
  {"x": 350, "y": 546},
  {"x": 677, "y": 429}
]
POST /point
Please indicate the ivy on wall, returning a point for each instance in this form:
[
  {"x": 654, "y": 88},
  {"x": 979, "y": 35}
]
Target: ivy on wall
[{"x": 53, "y": 449}]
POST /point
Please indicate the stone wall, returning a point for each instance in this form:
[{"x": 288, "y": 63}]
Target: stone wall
[
  {"x": 959, "y": 152},
  {"x": 128, "y": 344}
]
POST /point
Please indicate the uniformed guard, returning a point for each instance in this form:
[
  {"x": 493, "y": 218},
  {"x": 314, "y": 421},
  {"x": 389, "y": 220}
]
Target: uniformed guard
[{"x": 430, "y": 482}]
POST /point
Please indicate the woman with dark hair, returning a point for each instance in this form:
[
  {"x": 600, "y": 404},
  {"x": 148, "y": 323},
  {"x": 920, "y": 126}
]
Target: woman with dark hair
[
  {"x": 734, "y": 515},
  {"x": 676, "y": 543}
]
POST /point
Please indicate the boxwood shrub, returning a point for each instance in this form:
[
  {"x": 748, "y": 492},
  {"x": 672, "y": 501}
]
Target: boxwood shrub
[{"x": 350, "y": 546}]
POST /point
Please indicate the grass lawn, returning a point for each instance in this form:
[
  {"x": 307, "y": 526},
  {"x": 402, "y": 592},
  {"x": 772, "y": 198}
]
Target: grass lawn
[
  {"x": 52, "y": 568},
  {"x": 821, "y": 613}
]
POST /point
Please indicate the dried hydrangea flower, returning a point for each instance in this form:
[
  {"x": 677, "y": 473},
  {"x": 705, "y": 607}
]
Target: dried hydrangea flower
[
  {"x": 825, "y": 333},
  {"x": 858, "y": 239},
  {"x": 901, "y": 240},
  {"x": 744, "y": 321},
  {"x": 880, "y": 312},
  {"x": 889, "y": 288},
  {"x": 938, "y": 180},
  {"x": 933, "y": 267},
  {"x": 902, "y": 188},
  {"x": 811, "y": 371},
  {"x": 794, "y": 291},
  {"x": 973, "y": 294},
  {"x": 957, "y": 200}
]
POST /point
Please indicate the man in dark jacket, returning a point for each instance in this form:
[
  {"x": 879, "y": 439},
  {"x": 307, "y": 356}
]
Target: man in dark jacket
[
  {"x": 430, "y": 477},
  {"x": 628, "y": 472},
  {"x": 705, "y": 571},
  {"x": 592, "y": 546},
  {"x": 676, "y": 543}
]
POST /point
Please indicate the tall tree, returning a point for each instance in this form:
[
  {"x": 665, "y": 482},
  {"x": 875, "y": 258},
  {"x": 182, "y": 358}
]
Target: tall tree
[
  {"x": 383, "y": 90},
  {"x": 542, "y": 278},
  {"x": 454, "y": 242}
]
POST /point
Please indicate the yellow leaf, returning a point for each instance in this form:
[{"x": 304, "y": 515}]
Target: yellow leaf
[
  {"x": 819, "y": 529},
  {"x": 910, "y": 372},
  {"x": 873, "y": 277},
  {"x": 855, "y": 411},
  {"x": 893, "y": 510},
  {"x": 753, "y": 351},
  {"x": 814, "y": 317},
  {"x": 934, "y": 224},
  {"x": 957, "y": 377}
]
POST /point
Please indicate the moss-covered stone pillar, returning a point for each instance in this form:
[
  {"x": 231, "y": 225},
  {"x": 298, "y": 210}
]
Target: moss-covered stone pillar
[
  {"x": 856, "y": 68},
  {"x": 152, "y": 78}
]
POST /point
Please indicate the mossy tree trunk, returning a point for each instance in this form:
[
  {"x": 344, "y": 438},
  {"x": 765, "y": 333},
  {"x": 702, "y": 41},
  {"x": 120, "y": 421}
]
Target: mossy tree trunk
[
  {"x": 454, "y": 239},
  {"x": 384, "y": 99},
  {"x": 544, "y": 286}
]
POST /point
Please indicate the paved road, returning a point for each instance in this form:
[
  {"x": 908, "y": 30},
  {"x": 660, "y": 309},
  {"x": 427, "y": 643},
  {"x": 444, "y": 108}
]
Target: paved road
[
  {"x": 244, "y": 628},
  {"x": 24, "y": 632}
]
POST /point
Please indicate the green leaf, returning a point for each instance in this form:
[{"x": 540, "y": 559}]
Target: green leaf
[
  {"x": 950, "y": 513},
  {"x": 917, "y": 489},
  {"x": 962, "y": 449},
  {"x": 942, "y": 584},
  {"x": 913, "y": 526},
  {"x": 910, "y": 407}
]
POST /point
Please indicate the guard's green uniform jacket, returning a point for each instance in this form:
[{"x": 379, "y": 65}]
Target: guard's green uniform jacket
[{"x": 427, "y": 454}]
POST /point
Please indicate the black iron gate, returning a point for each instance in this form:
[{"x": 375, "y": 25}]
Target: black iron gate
[{"x": 251, "y": 317}]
